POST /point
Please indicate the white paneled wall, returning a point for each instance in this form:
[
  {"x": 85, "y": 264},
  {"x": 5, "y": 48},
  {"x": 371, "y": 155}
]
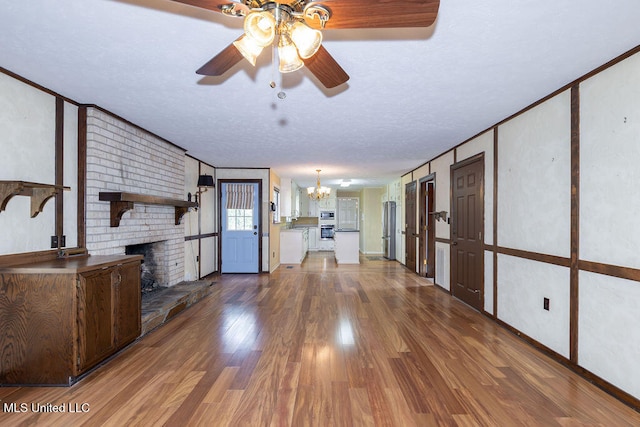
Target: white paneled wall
[
  {"x": 534, "y": 176},
  {"x": 70, "y": 197},
  {"x": 609, "y": 165},
  {"x": 533, "y": 214},
  {"x": 522, "y": 286},
  {"x": 609, "y": 344},
  {"x": 27, "y": 138},
  {"x": 609, "y": 337},
  {"x": 442, "y": 168}
]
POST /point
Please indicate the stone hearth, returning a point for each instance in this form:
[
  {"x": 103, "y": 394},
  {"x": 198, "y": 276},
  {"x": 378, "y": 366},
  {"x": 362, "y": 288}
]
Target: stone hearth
[{"x": 164, "y": 303}]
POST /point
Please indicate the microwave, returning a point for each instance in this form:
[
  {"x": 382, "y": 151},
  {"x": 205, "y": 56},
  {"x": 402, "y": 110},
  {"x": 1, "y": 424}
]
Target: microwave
[{"x": 327, "y": 215}]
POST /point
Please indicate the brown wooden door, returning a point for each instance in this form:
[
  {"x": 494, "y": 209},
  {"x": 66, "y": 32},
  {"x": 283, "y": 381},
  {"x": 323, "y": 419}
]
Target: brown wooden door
[
  {"x": 127, "y": 280},
  {"x": 467, "y": 215},
  {"x": 95, "y": 317},
  {"x": 410, "y": 221},
  {"x": 426, "y": 233}
]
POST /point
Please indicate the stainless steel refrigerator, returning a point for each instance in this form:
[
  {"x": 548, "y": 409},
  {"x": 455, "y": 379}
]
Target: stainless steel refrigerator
[{"x": 389, "y": 229}]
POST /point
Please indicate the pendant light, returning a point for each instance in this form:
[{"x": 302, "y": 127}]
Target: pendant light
[{"x": 318, "y": 192}]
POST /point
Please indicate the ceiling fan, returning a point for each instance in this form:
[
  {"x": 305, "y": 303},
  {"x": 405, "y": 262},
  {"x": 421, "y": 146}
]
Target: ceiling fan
[{"x": 293, "y": 27}]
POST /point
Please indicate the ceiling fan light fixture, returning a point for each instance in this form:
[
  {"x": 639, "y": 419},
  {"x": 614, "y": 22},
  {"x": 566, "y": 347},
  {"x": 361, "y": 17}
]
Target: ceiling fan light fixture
[
  {"x": 248, "y": 48},
  {"x": 288, "y": 55},
  {"x": 306, "y": 39},
  {"x": 261, "y": 26}
]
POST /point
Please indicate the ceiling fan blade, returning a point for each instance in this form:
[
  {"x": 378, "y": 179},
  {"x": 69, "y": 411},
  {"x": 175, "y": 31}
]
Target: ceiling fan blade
[
  {"x": 326, "y": 69},
  {"x": 377, "y": 13},
  {"x": 222, "y": 62},
  {"x": 206, "y": 4}
]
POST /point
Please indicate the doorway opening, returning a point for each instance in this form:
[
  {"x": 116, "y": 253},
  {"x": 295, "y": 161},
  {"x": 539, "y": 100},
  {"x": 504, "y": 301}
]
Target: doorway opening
[
  {"x": 410, "y": 225},
  {"x": 427, "y": 229}
]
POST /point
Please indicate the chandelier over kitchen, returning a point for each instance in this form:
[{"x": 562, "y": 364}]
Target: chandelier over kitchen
[
  {"x": 318, "y": 192},
  {"x": 265, "y": 21}
]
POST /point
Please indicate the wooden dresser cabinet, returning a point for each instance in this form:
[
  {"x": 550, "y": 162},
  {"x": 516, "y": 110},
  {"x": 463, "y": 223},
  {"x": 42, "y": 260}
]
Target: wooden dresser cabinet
[{"x": 60, "y": 318}]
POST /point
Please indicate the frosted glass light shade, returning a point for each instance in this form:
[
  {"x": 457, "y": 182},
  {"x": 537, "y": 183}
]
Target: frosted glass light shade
[
  {"x": 261, "y": 26},
  {"x": 289, "y": 59},
  {"x": 248, "y": 48},
  {"x": 306, "y": 39}
]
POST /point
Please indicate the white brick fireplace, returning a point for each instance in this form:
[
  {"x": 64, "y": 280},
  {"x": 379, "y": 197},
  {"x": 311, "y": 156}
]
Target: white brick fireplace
[{"x": 123, "y": 158}]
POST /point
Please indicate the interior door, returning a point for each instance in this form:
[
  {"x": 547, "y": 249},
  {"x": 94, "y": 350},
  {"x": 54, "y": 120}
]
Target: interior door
[
  {"x": 426, "y": 233},
  {"x": 410, "y": 225},
  {"x": 240, "y": 227},
  {"x": 467, "y": 256}
]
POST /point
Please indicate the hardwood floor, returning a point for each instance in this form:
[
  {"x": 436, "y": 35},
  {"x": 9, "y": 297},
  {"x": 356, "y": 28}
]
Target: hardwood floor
[{"x": 324, "y": 345}]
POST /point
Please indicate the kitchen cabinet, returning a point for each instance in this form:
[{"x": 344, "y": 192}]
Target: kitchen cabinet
[
  {"x": 304, "y": 202},
  {"x": 347, "y": 247},
  {"x": 68, "y": 316},
  {"x": 313, "y": 208},
  {"x": 289, "y": 198},
  {"x": 285, "y": 197},
  {"x": 313, "y": 238},
  {"x": 294, "y": 244},
  {"x": 329, "y": 203},
  {"x": 295, "y": 200},
  {"x": 326, "y": 244}
]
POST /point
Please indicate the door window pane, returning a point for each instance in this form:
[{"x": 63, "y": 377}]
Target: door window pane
[{"x": 239, "y": 219}]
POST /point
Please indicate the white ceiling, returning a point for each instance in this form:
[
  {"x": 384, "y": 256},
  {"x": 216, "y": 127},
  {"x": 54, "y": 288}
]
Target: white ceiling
[{"x": 413, "y": 93}]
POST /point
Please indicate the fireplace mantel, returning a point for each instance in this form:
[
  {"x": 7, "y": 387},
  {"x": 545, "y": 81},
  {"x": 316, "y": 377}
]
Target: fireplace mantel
[{"x": 122, "y": 202}]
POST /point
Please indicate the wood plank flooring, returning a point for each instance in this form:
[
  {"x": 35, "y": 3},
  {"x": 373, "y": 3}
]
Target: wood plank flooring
[{"x": 326, "y": 345}]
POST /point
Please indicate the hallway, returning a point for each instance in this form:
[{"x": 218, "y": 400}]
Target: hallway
[{"x": 322, "y": 345}]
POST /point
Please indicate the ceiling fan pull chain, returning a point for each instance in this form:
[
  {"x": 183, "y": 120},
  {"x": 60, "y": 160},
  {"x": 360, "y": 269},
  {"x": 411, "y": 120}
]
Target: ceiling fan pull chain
[
  {"x": 274, "y": 60},
  {"x": 273, "y": 66}
]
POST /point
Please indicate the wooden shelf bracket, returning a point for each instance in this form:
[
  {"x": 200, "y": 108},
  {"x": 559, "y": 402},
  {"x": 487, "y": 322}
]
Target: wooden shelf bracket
[
  {"x": 39, "y": 193},
  {"x": 123, "y": 202}
]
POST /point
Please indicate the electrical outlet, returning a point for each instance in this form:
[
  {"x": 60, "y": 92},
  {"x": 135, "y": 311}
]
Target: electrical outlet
[
  {"x": 54, "y": 242},
  {"x": 545, "y": 304}
]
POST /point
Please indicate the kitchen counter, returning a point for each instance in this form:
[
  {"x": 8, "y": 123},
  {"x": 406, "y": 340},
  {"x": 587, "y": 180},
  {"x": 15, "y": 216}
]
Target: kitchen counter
[
  {"x": 294, "y": 244},
  {"x": 347, "y": 246}
]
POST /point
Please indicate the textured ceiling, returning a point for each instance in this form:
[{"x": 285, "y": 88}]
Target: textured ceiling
[{"x": 413, "y": 93}]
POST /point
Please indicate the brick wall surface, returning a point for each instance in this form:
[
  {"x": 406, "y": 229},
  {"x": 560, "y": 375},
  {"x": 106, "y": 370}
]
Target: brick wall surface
[{"x": 122, "y": 157}]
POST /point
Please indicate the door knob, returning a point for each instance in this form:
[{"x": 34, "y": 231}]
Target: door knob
[
  {"x": 454, "y": 244},
  {"x": 255, "y": 232}
]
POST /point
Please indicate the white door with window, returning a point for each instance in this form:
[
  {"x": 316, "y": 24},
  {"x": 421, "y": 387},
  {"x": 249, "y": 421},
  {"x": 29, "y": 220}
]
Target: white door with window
[{"x": 240, "y": 231}]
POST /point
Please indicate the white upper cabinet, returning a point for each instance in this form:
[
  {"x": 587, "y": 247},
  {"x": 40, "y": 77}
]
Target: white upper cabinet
[
  {"x": 285, "y": 197},
  {"x": 329, "y": 202}
]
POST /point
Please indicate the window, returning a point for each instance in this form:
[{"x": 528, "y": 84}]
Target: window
[
  {"x": 239, "y": 219},
  {"x": 276, "y": 205}
]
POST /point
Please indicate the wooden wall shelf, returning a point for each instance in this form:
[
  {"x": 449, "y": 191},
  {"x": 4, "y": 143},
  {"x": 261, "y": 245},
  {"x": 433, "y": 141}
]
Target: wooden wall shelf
[
  {"x": 39, "y": 193},
  {"x": 122, "y": 202}
]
